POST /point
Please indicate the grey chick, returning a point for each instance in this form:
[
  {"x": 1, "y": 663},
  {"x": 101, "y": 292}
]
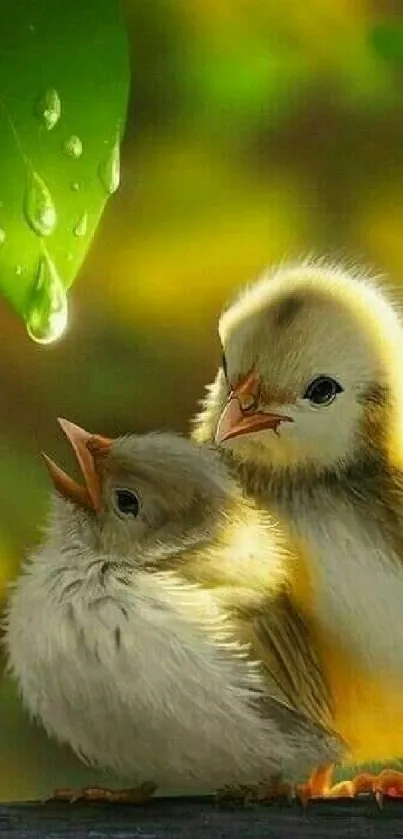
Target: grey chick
[{"x": 122, "y": 628}]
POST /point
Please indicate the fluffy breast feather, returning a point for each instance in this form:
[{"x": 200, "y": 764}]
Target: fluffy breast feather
[
  {"x": 131, "y": 682},
  {"x": 351, "y": 581}
]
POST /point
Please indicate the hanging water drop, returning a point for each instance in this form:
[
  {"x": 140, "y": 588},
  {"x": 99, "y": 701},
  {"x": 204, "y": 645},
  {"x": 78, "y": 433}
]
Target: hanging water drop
[
  {"x": 75, "y": 186},
  {"x": 109, "y": 169},
  {"x": 3, "y": 236},
  {"x": 39, "y": 208},
  {"x": 81, "y": 226},
  {"x": 73, "y": 147},
  {"x": 18, "y": 270},
  {"x": 46, "y": 314},
  {"x": 48, "y": 108}
]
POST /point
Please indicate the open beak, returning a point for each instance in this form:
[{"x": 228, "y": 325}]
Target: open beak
[
  {"x": 237, "y": 420},
  {"x": 86, "y": 448}
]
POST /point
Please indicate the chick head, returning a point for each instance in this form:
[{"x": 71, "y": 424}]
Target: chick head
[
  {"x": 142, "y": 495},
  {"x": 310, "y": 373}
]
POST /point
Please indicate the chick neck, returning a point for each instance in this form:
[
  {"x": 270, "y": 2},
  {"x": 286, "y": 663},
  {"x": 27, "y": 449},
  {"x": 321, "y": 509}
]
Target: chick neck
[{"x": 361, "y": 481}]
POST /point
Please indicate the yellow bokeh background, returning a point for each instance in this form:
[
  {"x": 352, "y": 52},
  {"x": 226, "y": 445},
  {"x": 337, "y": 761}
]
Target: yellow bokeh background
[{"x": 259, "y": 131}]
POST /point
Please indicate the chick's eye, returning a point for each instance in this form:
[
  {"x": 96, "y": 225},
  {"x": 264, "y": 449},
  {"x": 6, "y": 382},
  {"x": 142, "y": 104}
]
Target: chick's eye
[
  {"x": 322, "y": 391},
  {"x": 127, "y": 502},
  {"x": 224, "y": 365}
]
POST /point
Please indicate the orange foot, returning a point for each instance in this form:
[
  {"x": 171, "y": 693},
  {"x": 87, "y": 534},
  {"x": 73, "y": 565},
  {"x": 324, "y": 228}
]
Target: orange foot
[
  {"x": 389, "y": 782},
  {"x": 320, "y": 785},
  {"x": 138, "y": 795}
]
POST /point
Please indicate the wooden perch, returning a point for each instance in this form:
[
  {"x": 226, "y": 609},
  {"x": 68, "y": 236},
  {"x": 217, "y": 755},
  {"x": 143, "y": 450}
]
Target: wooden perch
[{"x": 200, "y": 818}]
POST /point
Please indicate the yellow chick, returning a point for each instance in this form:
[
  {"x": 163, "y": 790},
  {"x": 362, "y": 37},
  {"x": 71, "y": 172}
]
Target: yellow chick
[{"x": 308, "y": 406}]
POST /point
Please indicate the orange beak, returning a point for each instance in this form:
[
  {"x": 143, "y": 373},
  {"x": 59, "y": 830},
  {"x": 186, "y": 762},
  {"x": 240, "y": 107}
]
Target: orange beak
[
  {"x": 86, "y": 448},
  {"x": 240, "y": 415}
]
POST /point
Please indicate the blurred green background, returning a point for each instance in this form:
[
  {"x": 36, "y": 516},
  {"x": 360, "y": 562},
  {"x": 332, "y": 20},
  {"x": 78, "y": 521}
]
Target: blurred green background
[{"x": 258, "y": 131}]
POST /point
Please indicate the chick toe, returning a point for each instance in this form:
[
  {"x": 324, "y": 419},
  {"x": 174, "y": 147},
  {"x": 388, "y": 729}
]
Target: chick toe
[
  {"x": 268, "y": 791},
  {"x": 389, "y": 782},
  {"x": 134, "y": 795}
]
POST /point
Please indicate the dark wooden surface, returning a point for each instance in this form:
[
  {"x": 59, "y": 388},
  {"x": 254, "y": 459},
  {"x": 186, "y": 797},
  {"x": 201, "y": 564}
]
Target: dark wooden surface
[{"x": 202, "y": 819}]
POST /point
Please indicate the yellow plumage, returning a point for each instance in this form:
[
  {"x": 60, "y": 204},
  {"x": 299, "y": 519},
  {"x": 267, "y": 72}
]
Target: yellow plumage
[
  {"x": 309, "y": 407},
  {"x": 366, "y": 710}
]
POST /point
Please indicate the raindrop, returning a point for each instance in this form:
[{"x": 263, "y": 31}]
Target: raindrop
[
  {"x": 18, "y": 270},
  {"x": 48, "y": 108},
  {"x": 46, "y": 314},
  {"x": 81, "y": 226},
  {"x": 75, "y": 186},
  {"x": 109, "y": 169},
  {"x": 39, "y": 209},
  {"x": 73, "y": 147},
  {"x": 3, "y": 236}
]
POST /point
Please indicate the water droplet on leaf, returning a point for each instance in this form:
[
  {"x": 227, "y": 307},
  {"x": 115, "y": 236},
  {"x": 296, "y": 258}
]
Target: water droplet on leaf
[
  {"x": 46, "y": 314},
  {"x": 81, "y": 226},
  {"x": 75, "y": 186},
  {"x": 109, "y": 169},
  {"x": 73, "y": 147},
  {"x": 3, "y": 236},
  {"x": 48, "y": 108},
  {"x": 18, "y": 270},
  {"x": 39, "y": 209}
]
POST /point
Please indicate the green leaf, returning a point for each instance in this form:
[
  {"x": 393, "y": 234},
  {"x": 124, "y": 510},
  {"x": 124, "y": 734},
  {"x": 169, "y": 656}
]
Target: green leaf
[{"x": 64, "y": 74}]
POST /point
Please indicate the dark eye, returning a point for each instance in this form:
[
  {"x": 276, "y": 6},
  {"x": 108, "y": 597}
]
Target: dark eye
[
  {"x": 127, "y": 502},
  {"x": 224, "y": 365},
  {"x": 322, "y": 391}
]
